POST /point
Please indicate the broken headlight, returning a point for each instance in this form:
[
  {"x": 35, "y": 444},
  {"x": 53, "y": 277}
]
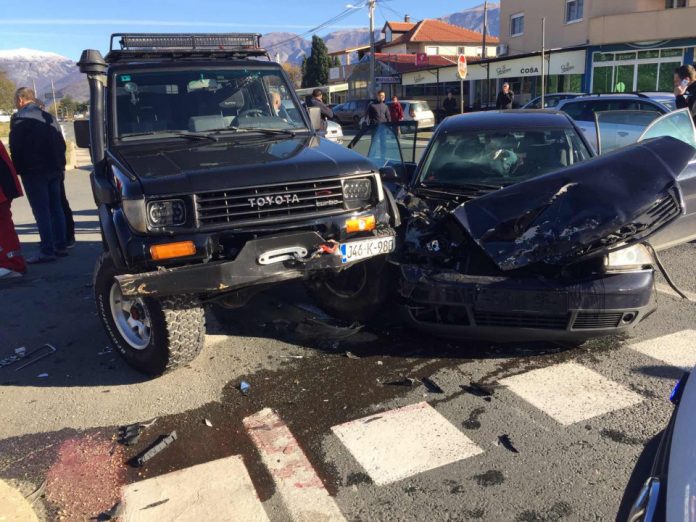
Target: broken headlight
[
  {"x": 166, "y": 213},
  {"x": 631, "y": 258}
]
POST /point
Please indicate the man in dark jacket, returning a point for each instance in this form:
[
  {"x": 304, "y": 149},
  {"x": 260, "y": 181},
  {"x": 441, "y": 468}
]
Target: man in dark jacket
[
  {"x": 11, "y": 261},
  {"x": 685, "y": 88},
  {"x": 326, "y": 112},
  {"x": 505, "y": 98},
  {"x": 450, "y": 104},
  {"x": 38, "y": 153},
  {"x": 378, "y": 111}
]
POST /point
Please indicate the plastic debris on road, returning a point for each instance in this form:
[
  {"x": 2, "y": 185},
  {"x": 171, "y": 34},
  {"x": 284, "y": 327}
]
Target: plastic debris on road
[
  {"x": 155, "y": 449},
  {"x": 407, "y": 381},
  {"x": 431, "y": 385},
  {"x": 244, "y": 387},
  {"x": 208, "y": 423},
  {"x": 504, "y": 440},
  {"x": 351, "y": 355}
]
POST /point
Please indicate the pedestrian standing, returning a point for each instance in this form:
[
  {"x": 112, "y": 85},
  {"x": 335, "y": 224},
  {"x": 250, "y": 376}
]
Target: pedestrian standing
[
  {"x": 377, "y": 111},
  {"x": 396, "y": 111},
  {"x": 685, "y": 88},
  {"x": 326, "y": 112},
  {"x": 450, "y": 104},
  {"x": 11, "y": 261},
  {"x": 505, "y": 98},
  {"x": 38, "y": 153}
]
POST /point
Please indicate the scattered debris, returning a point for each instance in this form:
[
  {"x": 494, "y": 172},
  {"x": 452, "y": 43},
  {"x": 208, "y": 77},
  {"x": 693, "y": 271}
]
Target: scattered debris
[
  {"x": 42, "y": 375},
  {"x": 21, "y": 351},
  {"x": 155, "y": 449},
  {"x": 312, "y": 327},
  {"x": 155, "y": 504},
  {"x": 112, "y": 514},
  {"x": 47, "y": 348},
  {"x": 351, "y": 355},
  {"x": 146, "y": 425},
  {"x": 431, "y": 385},
  {"x": 34, "y": 496},
  {"x": 107, "y": 350},
  {"x": 505, "y": 441},
  {"x": 478, "y": 391},
  {"x": 208, "y": 423},
  {"x": 407, "y": 381},
  {"x": 380, "y": 363},
  {"x": 291, "y": 356},
  {"x": 244, "y": 387},
  {"x": 130, "y": 434}
]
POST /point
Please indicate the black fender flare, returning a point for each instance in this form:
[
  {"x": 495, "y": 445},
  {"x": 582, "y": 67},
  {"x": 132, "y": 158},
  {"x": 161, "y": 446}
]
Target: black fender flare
[{"x": 109, "y": 236}]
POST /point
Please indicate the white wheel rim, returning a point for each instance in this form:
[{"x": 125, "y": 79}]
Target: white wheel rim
[{"x": 131, "y": 317}]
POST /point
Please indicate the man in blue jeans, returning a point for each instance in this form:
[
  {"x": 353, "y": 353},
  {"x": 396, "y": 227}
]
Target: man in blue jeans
[{"x": 38, "y": 153}]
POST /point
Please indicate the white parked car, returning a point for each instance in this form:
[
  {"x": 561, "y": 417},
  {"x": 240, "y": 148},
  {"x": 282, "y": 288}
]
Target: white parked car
[
  {"x": 414, "y": 110},
  {"x": 334, "y": 132}
]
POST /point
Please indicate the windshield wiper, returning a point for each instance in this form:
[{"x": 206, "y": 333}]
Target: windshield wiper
[
  {"x": 180, "y": 134},
  {"x": 268, "y": 132},
  {"x": 461, "y": 186}
]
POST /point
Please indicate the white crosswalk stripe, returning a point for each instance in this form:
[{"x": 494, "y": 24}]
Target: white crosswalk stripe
[
  {"x": 217, "y": 490},
  {"x": 570, "y": 393},
  {"x": 400, "y": 443},
  {"x": 676, "y": 349},
  {"x": 299, "y": 486}
]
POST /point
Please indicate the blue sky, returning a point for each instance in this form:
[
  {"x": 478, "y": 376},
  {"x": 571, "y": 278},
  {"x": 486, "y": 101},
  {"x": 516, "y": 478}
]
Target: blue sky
[{"x": 70, "y": 26}]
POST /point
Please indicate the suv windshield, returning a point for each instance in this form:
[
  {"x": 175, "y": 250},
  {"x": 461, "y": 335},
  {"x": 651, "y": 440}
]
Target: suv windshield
[
  {"x": 202, "y": 100},
  {"x": 495, "y": 157}
]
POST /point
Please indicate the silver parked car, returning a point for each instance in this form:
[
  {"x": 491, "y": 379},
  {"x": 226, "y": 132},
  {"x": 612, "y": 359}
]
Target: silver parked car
[{"x": 552, "y": 100}]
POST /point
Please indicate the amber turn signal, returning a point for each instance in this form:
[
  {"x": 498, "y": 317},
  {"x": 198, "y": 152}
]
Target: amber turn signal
[
  {"x": 170, "y": 250},
  {"x": 363, "y": 224}
]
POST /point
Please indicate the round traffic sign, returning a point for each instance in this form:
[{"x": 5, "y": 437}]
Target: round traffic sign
[{"x": 461, "y": 66}]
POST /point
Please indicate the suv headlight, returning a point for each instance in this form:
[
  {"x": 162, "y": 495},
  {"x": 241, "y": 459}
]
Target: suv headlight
[
  {"x": 632, "y": 258},
  {"x": 166, "y": 213},
  {"x": 357, "y": 189}
]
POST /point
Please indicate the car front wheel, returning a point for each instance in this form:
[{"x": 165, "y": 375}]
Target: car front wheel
[{"x": 153, "y": 335}]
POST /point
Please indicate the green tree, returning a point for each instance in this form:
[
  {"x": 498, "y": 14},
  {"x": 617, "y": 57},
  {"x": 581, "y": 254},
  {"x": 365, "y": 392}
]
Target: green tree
[
  {"x": 7, "y": 90},
  {"x": 303, "y": 71},
  {"x": 68, "y": 106},
  {"x": 316, "y": 70}
]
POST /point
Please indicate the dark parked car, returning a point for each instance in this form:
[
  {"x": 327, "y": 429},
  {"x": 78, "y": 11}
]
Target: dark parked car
[
  {"x": 211, "y": 183},
  {"x": 512, "y": 229}
]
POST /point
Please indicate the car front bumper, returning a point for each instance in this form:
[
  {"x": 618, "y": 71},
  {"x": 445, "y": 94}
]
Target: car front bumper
[
  {"x": 245, "y": 270},
  {"x": 505, "y": 309}
]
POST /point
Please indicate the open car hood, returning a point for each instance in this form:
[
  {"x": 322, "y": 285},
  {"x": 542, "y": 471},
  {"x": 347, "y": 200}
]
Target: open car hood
[{"x": 586, "y": 209}]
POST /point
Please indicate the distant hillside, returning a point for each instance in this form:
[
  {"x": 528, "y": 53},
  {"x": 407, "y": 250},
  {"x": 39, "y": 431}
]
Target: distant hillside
[{"x": 473, "y": 18}]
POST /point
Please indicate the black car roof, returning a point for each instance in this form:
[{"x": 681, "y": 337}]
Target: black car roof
[{"x": 508, "y": 119}]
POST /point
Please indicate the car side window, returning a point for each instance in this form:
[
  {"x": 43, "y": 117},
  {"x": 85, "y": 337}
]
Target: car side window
[
  {"x": 645, "y": 106},
  {"x": 579, "y": 111}
]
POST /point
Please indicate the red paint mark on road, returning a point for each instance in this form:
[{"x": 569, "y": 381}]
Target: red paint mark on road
[{"x": 86, "y": 478}]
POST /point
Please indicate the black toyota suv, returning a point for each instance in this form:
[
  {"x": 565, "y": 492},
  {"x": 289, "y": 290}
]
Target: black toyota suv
[{"x": 211, "y": 183}]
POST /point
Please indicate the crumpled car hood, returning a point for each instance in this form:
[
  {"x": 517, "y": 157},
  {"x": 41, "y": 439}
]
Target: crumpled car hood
[{"x": 586, "y": 209}]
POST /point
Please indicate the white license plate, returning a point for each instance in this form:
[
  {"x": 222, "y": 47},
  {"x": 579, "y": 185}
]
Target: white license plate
[{"x": 365, "y": 248}]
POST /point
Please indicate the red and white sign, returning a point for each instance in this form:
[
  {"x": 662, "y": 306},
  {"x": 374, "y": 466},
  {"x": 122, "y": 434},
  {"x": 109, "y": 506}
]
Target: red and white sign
[
  {"x": 421, "y": 59},
  {"x": 462, "y": 68}
]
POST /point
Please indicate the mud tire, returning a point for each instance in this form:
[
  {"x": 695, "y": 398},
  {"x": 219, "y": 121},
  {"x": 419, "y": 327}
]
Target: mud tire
[{"x": 177, "y": 331}]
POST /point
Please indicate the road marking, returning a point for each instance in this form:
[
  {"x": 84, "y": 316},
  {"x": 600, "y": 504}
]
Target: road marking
[
  {"x": 400, "y": 443},
  {"x": 13, "y": 506},
  {"x": 217, "y": 490},
  {"x": 665, "y": 289},
  {"x": 676, "y": 349},
  {"x": 570, "y": 393},
  {"x": 300, "y": 488}
]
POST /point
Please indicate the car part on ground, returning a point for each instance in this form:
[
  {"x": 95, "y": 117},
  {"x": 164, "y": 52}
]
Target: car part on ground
[{"x": 211, "y": 183}]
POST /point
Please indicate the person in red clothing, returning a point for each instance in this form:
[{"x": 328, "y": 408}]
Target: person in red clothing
[
  {"x": 396, "y": 111},
  {"x": 12, "y": 262}
]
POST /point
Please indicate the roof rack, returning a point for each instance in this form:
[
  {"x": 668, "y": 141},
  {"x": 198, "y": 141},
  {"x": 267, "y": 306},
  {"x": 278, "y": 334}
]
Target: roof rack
[
  {"x": 162, "y": 45},
  {"x": 634, "y": 93}
]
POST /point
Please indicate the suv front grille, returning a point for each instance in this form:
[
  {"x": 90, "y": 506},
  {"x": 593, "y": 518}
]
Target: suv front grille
[
  {"x": 592, "y": 320},
  {"x": 513, "y": 320},
  {"x": 269, "y": 203}
]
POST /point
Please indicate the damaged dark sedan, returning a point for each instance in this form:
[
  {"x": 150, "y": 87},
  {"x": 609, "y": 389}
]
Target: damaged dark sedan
[{"x": 513, "y": 230}]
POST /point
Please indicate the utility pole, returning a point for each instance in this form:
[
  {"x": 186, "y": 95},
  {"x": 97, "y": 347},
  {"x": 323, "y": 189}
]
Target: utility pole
[
  {"x": 484, "y": 52},
  {"x": 53, "y": 92},
  {"x": 543, "y": 61},
  {"x": 373, "y": 87}
]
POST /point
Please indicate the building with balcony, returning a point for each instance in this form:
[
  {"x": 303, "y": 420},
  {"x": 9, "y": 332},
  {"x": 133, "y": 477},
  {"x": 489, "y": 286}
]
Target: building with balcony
[{"x": 630, "y": 45}]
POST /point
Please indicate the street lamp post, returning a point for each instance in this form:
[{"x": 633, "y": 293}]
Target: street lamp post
[{"x": 373, "y": 87}]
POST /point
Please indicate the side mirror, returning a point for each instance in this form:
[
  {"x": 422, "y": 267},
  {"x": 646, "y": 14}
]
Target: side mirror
[
  {"x": 315, "y": 117},
  {"x": 81, "y": 128},
  {"x": 389, "y": 174}
]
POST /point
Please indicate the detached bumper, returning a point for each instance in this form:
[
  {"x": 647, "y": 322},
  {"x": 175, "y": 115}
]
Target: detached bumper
[
  {"x": 244, "y": 271},
  {"x": 450, "y": 304}
]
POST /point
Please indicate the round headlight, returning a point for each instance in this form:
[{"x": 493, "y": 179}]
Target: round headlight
[{"x": 170, "y": 212}]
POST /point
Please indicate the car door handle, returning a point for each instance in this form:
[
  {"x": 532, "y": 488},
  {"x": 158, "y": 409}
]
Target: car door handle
[{"x": 623, "y": 134}]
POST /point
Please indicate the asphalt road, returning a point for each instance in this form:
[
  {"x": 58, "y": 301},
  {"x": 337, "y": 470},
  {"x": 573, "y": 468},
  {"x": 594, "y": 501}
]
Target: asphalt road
[{"x": 523, "y": 432}]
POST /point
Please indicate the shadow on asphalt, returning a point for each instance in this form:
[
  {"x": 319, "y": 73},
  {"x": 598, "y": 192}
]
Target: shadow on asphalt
[{"x": 640, "y": 474}]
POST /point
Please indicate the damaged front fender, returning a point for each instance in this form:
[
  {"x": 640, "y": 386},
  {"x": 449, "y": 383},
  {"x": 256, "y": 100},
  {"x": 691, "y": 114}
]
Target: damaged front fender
[{"x": 586, "y": 209}]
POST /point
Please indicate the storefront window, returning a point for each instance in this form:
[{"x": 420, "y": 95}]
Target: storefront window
[
  {"x": 624, "y": 78},
  {"x": 666, "y": 83},
  {"x": 648, "y": 54},
  {"x": 572, "y": 83},
  {"x": 602, "y": 79},
  {"x": 603, "y": 57},
  {"x": 625, "y": 56},
  {"x": 665, "y": 53},
  {"x": 647, "y": 76}
]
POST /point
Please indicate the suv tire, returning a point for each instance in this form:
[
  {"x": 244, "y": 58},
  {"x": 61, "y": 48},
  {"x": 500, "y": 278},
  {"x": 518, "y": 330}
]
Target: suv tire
[
  {"x": 170, "y": 334},
  {"x": 357, "y": 293}
]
